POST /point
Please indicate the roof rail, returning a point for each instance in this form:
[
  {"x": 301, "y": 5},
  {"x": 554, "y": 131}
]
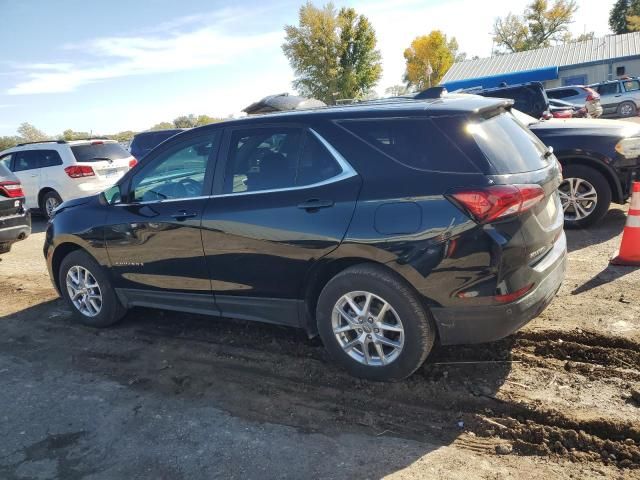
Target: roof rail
[
  {"x": 90, "y": 138},
  {"x": 41, "y": 141}
]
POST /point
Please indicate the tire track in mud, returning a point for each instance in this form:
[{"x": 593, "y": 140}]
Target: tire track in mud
[{"x": 272, "y": 374}]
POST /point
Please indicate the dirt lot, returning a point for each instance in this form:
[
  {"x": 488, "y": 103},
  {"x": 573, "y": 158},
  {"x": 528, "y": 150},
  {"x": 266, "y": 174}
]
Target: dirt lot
[{"x": 166, "y": 395}]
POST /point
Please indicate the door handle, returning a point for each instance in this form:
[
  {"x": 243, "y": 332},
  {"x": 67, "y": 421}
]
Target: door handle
[
  {"x": 183, "y": 215},
  {"x": 315, "y": 204}
]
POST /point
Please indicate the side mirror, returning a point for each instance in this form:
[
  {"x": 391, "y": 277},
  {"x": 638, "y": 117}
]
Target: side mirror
[{"x": 113, "y": 195}]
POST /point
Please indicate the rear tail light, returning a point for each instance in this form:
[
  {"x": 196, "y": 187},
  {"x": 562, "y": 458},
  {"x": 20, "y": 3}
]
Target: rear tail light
[
  {"x": 11, "y": 189},
  {"x": 513, "y": 296},
  {"x": 547, "y": 115},
  {"x": 132, "y": 163},
  {"x": 500, "y": 201},
  {"x": 77, "y": 171}
]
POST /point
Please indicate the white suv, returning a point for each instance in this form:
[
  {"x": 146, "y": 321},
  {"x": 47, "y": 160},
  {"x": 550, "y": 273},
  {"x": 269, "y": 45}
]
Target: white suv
[{"x": 55, "y": 171}]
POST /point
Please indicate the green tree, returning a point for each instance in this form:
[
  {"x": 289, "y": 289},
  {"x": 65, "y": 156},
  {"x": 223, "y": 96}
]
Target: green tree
[
  {"x": 162, "y": 126},
  {"x": 185, "y": 121},
  {"x": 29, "y": 133},
  {"x": 621, "y": 16},
  {"x": 70, "y": 134},
  {"x": 428, "y": 59},
  {"x": 541, "y": 25},
  {"x": 206, "y": 120},
  {"x": 396, "y": 90},
  {"x": 8, "y": 142},
  {"x": 123, "y": 137},
  {"x": 334, "y": 55}
]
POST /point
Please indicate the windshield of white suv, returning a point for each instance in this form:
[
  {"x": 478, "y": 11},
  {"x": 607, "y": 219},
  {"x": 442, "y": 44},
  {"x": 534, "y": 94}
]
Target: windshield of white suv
[{"x": 99, "y": 151}]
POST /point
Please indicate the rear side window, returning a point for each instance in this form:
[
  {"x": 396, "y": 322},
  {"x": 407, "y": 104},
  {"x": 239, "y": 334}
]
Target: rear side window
[
  {"x": 508, "y": 145},
  {"x": 608, "y": 88},
  {"x": 416, "y": 143},
  {"x": 48, "y": 158},
  {"x": 564, "y": 93},
  {"x": 98, "y": 151}
]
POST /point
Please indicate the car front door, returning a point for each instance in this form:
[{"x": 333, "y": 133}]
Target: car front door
[
  {"x": 283, "y": 198},
  {"x": 25, "y": 165},
  {"x": 153, "y": 232},
  {"x": 632, "y": 90}
]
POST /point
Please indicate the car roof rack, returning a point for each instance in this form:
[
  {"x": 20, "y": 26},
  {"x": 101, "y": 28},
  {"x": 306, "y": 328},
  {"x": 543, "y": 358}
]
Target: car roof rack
[
  {"x": 41, "y": 141},
  {"x": 86, "y": 139}
]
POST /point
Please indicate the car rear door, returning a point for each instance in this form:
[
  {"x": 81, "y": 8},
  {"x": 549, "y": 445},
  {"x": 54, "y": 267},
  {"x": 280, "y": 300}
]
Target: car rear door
[
  {"x": 153, "y": 233},
  {"x": 283, "y": 199},
  {"x": 25, "y": 165},
  {"x": 609, "y": 96}
]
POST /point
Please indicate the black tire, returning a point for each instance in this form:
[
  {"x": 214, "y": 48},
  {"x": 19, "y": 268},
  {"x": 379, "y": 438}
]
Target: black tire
[
  {"x": 419, "y": 331},
  {"x": 602, "y": 188},
  {"x": 111, "y": 310},
  {"x": 49, "y": 196},
  {"x": 627, "y": 109}
]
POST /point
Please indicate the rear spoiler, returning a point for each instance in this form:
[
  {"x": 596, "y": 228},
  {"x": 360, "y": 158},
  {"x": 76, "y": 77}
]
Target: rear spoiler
[{"x": 502, "y": 105}]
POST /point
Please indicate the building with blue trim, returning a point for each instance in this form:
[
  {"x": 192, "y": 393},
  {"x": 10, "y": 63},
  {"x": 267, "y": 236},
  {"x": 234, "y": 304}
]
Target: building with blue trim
[{"x": 577, "y": 63}]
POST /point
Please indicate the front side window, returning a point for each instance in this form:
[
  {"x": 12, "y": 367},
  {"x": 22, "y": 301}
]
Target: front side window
[
  {"x": 631, "y": 85},
  {"x": 176, "y": 174}
]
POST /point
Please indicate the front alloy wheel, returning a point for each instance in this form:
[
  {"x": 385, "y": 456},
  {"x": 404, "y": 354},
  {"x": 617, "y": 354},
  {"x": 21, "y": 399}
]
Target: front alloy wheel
[
  {"x": 578, "y": 197},
  {"x": 367, "y": 328},
  {"x": 84, "y": 291}
]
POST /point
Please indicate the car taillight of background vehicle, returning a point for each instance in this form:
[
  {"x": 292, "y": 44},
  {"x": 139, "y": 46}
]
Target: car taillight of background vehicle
[
  {"x": 77, "y": 171},
  {"x": 11, "y": 189},
  {"x": 132, "y": 163},
  {"x": 592, "y": 94},
  {"x": 497, "y": 202}
]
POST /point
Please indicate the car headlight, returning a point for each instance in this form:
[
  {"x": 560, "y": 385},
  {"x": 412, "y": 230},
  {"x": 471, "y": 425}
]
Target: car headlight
[{"x": 629, "y": 147}]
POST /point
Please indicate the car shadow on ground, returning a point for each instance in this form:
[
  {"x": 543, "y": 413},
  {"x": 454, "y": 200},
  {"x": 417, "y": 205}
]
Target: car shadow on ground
[
  {"x": 38, "y": 223},
  {"x": 180, "y": 366},
  {"x": 609, "y": 227}
]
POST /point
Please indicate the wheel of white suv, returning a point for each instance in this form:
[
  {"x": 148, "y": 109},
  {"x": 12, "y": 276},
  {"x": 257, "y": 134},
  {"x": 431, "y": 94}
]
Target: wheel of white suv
[
  {"x": 87, "y": 291},
  {"x": 627, "y": 109},
  {"x": 585, "y": 196},
  {"x": 50, "y": 202},
  {"x": 373, "y": 323}
]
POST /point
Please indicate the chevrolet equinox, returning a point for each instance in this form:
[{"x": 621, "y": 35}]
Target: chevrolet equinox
[{"x": 381, "y": 227}]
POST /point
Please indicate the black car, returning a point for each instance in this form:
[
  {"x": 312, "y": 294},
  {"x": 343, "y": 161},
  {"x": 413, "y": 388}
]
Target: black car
[
  {"x": 15, "y": 219},
  {"x": 142, "y": 143},
  {"x": 383, "y": 228},
  {"x": 530, "y": 98},
  {"x": 600, "y": 159}
]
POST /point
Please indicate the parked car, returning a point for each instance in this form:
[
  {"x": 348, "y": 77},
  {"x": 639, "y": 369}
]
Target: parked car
[
  {"x": 599, "y": 158},
  {"x": 580, "y": 96},
  {"x": 142, "y": 143},
  {"x": 560, "y": 109},
  {"x": 380, "y": 227},
  {"x": 54, "y": 171},
  {"x": 619, "y": 98},
  {"x": 529, "y": 98},
  {"x": 15, "y": 219}
]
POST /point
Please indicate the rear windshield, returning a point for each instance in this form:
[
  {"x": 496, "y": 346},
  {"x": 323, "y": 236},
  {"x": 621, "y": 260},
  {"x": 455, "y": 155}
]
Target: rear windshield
[
  {"x": 415, "y": 142},
  {"x": 95, "y": 152},
  {"x": 148, "y": 141},
  {"x": 508, "y": 144}
]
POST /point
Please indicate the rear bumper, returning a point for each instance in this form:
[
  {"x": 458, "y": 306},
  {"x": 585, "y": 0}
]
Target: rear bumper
[
  {"x": 15, "y": 227},
  {"x": 481, "y": 324}
]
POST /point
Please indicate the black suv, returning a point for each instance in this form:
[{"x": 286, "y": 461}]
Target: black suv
[
  {"x": 15, "y": 219},
  {"x": 530, "y": 98},
  {"x": 142, "y": 143},
  {"x": 381, "y": 227}
]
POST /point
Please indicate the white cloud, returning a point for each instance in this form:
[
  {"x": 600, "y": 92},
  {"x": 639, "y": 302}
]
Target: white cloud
[{"x": 114, "y": 57}]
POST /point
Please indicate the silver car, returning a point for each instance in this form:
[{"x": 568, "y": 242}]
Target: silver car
[
  {"x": 580, "y": 96},
  {"x": 620, "y": 98}
]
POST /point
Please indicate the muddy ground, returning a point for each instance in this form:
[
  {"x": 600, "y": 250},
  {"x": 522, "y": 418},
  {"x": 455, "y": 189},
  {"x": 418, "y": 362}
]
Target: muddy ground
[{"x": 166, "y": 395}]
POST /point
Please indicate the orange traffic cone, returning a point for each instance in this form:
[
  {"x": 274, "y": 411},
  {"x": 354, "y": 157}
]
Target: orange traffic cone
[{"x": 630, "y": 247}]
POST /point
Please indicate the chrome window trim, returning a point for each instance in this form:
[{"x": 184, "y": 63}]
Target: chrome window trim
[{"x": 347, "y": 172}]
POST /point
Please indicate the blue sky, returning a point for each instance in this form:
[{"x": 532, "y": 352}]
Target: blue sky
[{"x": 107, "y": 66}]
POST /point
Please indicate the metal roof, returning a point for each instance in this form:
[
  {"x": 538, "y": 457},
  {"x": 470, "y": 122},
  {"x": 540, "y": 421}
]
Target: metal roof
[{"x": 596, "y": 50}]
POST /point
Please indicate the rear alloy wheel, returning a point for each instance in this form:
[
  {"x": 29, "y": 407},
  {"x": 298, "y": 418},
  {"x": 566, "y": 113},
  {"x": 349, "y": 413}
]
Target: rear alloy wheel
[
  {"x": 374, "y": 324},
  {"x": 585, "y": 196},
  {"x": 50, "y": 202},
  {"x": 627, "y": 109}
]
